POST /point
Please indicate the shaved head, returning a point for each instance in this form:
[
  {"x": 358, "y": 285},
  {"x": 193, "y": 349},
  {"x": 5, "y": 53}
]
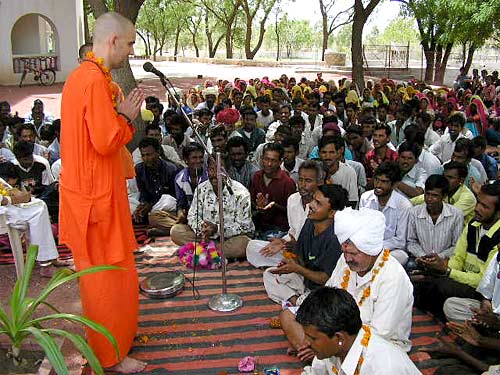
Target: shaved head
[
  {"x": 110, "y": 24},
  {"x": 114, "y": 38}
]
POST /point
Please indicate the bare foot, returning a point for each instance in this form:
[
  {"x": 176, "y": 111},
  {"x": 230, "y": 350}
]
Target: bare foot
[{"x": 128, "y": 366}]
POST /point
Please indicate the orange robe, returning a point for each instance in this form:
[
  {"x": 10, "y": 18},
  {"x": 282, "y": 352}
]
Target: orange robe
[{"x": 95, "y": 221}]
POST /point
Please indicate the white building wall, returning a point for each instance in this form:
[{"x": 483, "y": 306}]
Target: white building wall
[{"x": 65, "y": 15}]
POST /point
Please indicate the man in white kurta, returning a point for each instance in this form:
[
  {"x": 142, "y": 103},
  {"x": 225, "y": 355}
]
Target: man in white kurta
[
  {"x": 310, "y": 175},
  {"x": 379, "y": 358},
  {"x": 35, "y": 215},
  {"x": 388, "y": 309}
]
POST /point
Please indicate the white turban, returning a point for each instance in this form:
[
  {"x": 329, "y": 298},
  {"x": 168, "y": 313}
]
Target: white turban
[
  {"x": 210, "y": 91},
  {"x": 364, "y": 227}
]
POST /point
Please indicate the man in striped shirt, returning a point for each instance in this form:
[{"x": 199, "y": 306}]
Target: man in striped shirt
[{"x": 434, "y": 227}]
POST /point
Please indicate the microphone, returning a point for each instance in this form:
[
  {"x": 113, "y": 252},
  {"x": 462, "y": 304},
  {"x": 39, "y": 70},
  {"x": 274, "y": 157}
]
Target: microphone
[{"x": 148, "y": 67}]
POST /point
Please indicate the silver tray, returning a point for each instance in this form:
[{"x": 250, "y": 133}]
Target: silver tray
[{"x": 163, "y": 285}]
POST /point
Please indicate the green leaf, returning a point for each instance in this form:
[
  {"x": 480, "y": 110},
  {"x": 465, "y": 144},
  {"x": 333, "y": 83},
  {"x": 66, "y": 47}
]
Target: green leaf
[
  {"x": 81, "y": 320},
  {"x": 51, "y": 350},
  {"x": 82, "y": 346},
  {"x": 61, "y": 277}
]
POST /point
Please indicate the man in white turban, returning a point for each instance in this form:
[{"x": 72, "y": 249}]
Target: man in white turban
[
  {"x": 375, "y": 279},
  {"x": 210, "y": 95}
]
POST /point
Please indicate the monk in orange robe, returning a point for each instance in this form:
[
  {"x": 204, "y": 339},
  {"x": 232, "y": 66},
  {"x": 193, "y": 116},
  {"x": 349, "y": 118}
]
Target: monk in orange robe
[{"x": 95, "y": 220}]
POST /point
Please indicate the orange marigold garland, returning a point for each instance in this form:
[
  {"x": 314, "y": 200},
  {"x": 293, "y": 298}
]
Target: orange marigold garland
[
  {"x": 115, "y": 90},
  {"x": 364, "y": 343},
  {"x": 367, "y": 292}
]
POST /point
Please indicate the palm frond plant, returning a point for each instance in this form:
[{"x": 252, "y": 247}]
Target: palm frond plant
[{"x": 18, "y": 322}]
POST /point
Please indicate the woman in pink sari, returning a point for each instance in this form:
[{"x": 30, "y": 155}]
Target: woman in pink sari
[{"x": 477, "y": 112}]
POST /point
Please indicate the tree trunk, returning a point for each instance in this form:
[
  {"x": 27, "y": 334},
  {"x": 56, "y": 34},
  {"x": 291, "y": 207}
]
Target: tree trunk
[
  {"x": 360, "y": 17},
  {"x": 195, "y": 45},
  {"x": 126, "y": 80},
  {"x": 442, "y": 67},
  {"x": 470, "y": 56},
  {"x": 248, "y": 39},
  {"x": 148, "y": 53},
  {"x": 324, "y": 29},
  {"x": 437, "y": 62},
  {"x": 357, "y": 49},
  {"x": 176, "y": 46},
  {"x": 276, "y": 30},
  {"x": 86, "y": 29},
  {"x": 229, "y": 42},
  {"x": 430, "y": 55}
]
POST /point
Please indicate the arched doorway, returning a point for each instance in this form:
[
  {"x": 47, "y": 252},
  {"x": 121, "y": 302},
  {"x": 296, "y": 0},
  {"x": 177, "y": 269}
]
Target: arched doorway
[{"x": 35, "y": 42}]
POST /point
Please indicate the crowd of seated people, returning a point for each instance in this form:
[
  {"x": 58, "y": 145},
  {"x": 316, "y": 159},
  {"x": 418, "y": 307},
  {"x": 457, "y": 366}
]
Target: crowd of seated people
[{"x": 390, "y": 194}]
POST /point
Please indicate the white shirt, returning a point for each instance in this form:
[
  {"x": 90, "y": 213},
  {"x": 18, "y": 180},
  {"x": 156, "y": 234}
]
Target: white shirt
[
  {"x": 297, "y": 215},
  {"x": 360, "y": 172},
  {"x": 480, "y": 168},
  {"x": 443, "y": 149},
  {"x": 380, "y": 358},
  {"x": 388, "y": 310},
  {"x": 489, "y": 286},
  {"x": 415, "y": 177},
  {"x": 271, "y": 130},
  {"x": 429, "y": 162},
  {"x": 56, "y": 169},
  {"x": 396, "y": 214},
  {"x": 265, "y": 120},
  {"x": 431, "y": 137},
  {"x": 346, "y": 177},
  {"x": 47, "y": 177},
  {"x": 294, "y": 173}
]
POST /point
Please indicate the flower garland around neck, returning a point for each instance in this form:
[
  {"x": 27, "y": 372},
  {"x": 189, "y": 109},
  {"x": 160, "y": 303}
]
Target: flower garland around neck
[
  {"x": 115, "y": 90},
  {"x": 376, "y": 271},
  {"x": 364, "y": 343}
]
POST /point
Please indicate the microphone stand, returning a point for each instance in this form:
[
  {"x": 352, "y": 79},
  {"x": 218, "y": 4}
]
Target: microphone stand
[{"x": 224, "y": 302}]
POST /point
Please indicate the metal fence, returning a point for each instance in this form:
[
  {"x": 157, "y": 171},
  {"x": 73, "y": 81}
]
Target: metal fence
[{"x": 386, "y": 56}]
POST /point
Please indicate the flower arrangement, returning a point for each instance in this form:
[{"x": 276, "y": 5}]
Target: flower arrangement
[
  {"x": 205, "y": 255},
  {"x": 115, "y": 90}
]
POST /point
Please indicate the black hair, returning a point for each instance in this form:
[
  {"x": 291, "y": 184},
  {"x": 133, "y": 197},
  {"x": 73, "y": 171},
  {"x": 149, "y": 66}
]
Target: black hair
[
  {"x": 263, "y": 99},
  {"x": 273, "y": 146},
  {"x": 25, "y": 126},
  {"x": 151, "y": 127},
  {"x": 460, "y": 167},
  {"x": 330, "y": 310},
  {"x": 158, "y": 106},
  {"x": 284, "y": 130},
  {"x": 368, "y": 119},
  {"x": 354, "y": 129},
  {"x": 296, "y": 101},
  {"x": 148, "y": 141},
  {"x": 493, "y": 190},
  {"x": 337, "y": 196},
  {"x": 237, "y": 142},
  {"x": 313, "y": 165},
  {"x": 218, "y": 130},
  {"x": 479, "y": 141},
  {"x": 56, "y": 126},
  {"x": 383, "y": 105},
  {"x": 178, "y": 119},
  {"x": 437, "y": 181},
  {"x": 464, "y": 145},
  {"x": 152, "y": 99},
  {"x": 330, "y": 118},
  {"x": 291, "y": 141},
  {"x": 414, "y": 148},
  {"x": 352, "y": 105},
  {"x": 414, "y": 135},
  {"x": 84, "y": 48},
  {"x": 426, "y": 117},
  {"x": 458, "y": 118},
  {"x": 23, "y": 149},
  {"x": 190, "y": 148},
  {"x": 8, "y": 170},
  {"x": 337, "y": 141},
  {"x": 296, "y": 120},
  {"x": 385, "y": 127},
  {"x": 246, "y": 111},
  {"x": 406, "y": 109},
  {"x": 204, "y": 112},
  {"x": 390, "y": 169}
]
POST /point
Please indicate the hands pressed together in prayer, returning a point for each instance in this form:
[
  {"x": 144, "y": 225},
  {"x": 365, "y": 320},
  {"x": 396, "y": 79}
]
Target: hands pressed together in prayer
[
  {"x": 131, "y": 106},
  {"x": 20, "y": 196}
]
